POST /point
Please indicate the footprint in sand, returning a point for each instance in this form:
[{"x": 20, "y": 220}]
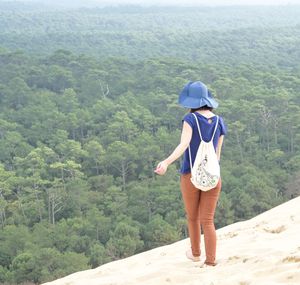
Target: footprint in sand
[
  {"x": 291, "y": 258},
  {"x": 275, "y": 230},
  {"x": 233, "y": 258}
]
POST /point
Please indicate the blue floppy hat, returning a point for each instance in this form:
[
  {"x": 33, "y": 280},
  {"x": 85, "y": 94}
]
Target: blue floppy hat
[{"x": 196, "y": 95}]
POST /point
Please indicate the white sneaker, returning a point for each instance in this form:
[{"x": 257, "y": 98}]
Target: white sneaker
[{"x": 190, "y": 256}]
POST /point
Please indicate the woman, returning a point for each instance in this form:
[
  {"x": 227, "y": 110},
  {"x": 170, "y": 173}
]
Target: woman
[{"x": 199, "y": 205}]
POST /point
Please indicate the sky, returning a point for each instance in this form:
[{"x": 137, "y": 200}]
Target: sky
[
  {"x": 170, "y": 2},
  {"x": 208, "y": 2}
]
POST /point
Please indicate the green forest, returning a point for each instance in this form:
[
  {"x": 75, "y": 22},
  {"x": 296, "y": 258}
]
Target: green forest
[{"x": 88, "y": 107}]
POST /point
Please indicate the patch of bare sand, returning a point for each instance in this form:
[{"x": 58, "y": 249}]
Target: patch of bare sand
[{"x": 264, "y": 250}]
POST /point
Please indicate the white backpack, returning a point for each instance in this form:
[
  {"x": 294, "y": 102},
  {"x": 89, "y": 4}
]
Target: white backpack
[{"x": 205, "y": 173}]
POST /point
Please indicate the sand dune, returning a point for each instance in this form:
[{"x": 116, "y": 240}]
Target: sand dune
[{"x": 264, "y": 250}]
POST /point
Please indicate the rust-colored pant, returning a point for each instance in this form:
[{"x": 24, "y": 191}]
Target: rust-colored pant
[{"x": 200, "y": 208}]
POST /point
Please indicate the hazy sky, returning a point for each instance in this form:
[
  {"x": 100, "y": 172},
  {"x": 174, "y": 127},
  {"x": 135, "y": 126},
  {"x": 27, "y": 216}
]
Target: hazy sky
[
  {"x": 208, "y": 2},
  {"x": 172, "y": 2}
]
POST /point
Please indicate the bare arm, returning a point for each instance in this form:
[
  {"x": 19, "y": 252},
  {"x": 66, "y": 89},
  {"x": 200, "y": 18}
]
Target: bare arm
[
  {"x": 186, "y": 136},
  {"x": 219, "y": 146}
]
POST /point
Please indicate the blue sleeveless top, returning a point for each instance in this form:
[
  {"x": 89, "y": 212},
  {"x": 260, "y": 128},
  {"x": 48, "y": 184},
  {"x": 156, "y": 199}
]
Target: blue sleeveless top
[{"x": 207, "y": 127}]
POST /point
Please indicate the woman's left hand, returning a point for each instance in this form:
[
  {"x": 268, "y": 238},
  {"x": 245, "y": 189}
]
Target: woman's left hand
[{"x": 161, "y": 168}]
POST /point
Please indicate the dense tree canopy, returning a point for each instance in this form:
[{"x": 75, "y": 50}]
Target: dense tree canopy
[{"x": 82, "y": 128}]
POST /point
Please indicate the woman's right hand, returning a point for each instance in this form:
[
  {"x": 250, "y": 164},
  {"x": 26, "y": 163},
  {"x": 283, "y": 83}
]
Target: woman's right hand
[{"x": 161, "y": 168}]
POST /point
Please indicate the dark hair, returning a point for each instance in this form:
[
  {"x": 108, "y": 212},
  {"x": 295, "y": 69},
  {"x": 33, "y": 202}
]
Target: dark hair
[{"x": 202, "y": 108}]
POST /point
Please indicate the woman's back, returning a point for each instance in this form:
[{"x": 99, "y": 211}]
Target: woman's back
[{"x": 207, "y": 122}]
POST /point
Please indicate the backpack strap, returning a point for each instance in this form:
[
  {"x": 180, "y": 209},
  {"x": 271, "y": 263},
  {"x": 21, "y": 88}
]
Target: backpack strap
[
  {"x": 217, "y": 123},
  {"x": 191, "y": 166},
  {"x": 198, "y": 126},
  {"x": 190, "y": 144},
  {"x": 190, "y": 156}
]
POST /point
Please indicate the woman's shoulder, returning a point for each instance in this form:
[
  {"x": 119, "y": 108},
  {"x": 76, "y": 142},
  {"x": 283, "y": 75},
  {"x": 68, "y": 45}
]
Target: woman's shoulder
[
  {"x": 222, "y": 125},
  {"x": 189, "y": 118},
  {"x": 221, "y": 120}
]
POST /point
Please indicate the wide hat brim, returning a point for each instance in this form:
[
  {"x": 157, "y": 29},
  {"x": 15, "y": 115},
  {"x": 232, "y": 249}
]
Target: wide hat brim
[{"x": 195, "y": 95}]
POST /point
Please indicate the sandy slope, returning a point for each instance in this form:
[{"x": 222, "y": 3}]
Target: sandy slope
[{"x": 264, "y": 250}]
